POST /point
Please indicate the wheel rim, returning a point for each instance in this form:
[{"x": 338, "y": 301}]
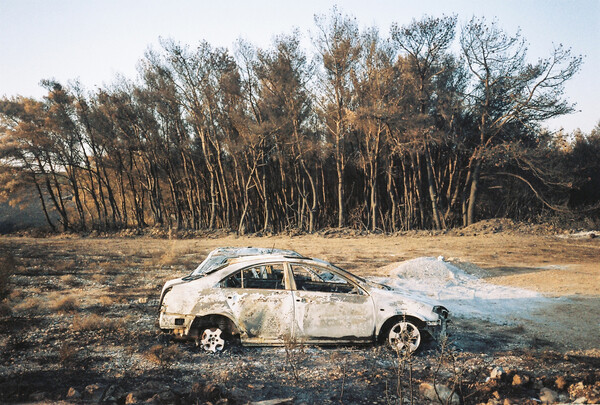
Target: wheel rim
[
  {"x": 404, "y": 335},
  {"x": 211, "y": 340}
]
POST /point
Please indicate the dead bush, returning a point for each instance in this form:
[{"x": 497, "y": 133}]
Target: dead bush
[
  {"x": 67, "y": 355},
  {"x": 64, "y": 266},
  {"x": 99, "y": 278},
  {"x": 164, "y": 356},
  {"x": 122, "y": 279},
  {"x": 33, "y": 303},
  {"x": 95, "y": 322},
  {"x": 65, "y": 304},
  {"x": 70, "y": 280},
  {"x": 168, "y": 258},
  {"x": 8, "y": 267},
  {"x": 106, "y": 301}
]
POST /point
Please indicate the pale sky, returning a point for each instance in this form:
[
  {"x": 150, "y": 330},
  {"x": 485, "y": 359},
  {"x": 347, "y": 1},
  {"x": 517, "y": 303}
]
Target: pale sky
[{"x": 94, "y": 40}]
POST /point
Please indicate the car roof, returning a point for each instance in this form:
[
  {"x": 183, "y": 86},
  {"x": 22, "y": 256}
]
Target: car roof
[
  {"x": 235, "y": 252},
  {"x": 265, "y": 258}
]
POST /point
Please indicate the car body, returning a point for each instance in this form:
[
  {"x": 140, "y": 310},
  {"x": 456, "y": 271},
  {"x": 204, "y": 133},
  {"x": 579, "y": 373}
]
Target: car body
[{"x": 270, "y": 297}]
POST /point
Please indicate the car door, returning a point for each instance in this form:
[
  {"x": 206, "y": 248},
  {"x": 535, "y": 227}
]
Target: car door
[
  {"x": 329, "y": 307},
  {"x": 259, "y": 300}
]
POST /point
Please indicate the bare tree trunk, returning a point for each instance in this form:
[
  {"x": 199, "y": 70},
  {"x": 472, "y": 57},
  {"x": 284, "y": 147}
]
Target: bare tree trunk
[
  {"x": 432, "y": 190},
  {"x": 473, "y": 192},
  {"x": 417, "y": 182},
  {"x": 44, "y": 209},
  {"x": 340, "y": 193}
]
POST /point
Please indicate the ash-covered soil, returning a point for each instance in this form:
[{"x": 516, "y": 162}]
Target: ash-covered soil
[{"x": 80, "y": 325}]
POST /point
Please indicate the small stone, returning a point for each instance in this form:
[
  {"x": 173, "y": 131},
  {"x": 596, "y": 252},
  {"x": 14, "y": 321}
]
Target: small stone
[
  {"x": 561, "y": 383},
  {"x": 73, "y": 393},
  {"x": 547, "y": 396},
  {"x": 154, "y": 400},
  {"x": 507, "y": 402},
  {"x": 167, "y": 396},
  {"x": 497, "y": 373},
  {"x": 130, "y": 398},
  {"x": 445, "y": 393},
  {"x": 93, "y": 392},
  {"x": 580, "y": 400},
  {"x": 520, "y": 379},
  {"x": 563, "y": 398},
  {"x": 517, "y": 380},
  {"x": 37, "y": 396},
  {"x": 496, "y": 394}
]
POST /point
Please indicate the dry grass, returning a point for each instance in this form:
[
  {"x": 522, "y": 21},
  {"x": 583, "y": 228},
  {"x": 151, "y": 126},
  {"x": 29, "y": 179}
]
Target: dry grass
[
  {"x": 67, "y": 355},
  {"x": 99, "y": 278},
  {"x": 123, "y": 279},
  {"x": 106, "y": 300},
  {"x": 15, "y": 295},
  {"x": 64, "y": 266},
  {"x": 64, "y": 304},
  {"x": 111, "y": 267},
  {"x": 163, "y": 356},
  {"x": 96, "y": 322},
  {"x": 69, "y": 280},
  {"x": 32, "y": 304},
  {"x": 169, "y": 256}
]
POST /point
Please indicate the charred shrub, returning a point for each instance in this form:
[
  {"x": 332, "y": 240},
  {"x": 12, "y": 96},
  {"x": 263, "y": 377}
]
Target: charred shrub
[
  {"x": 67, "y": 355},
  {"x": 164, "y": 356}
]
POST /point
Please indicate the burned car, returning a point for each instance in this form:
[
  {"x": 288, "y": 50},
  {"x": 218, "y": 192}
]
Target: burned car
[{"x": 270, "y": 297}]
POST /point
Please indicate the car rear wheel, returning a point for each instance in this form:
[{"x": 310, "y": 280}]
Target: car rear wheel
[
  {"x": 404, "y": 336},
  {"x": 211, "y": 340}
]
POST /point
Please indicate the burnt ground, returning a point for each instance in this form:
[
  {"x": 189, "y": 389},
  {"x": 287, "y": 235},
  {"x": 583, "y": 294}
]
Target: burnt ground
[{"x": 80, "y": 325}]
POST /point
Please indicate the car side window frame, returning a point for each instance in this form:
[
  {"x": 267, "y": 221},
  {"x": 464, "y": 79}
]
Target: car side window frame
[
  {"x": 242, "y": 286},
  {"x": 294, "y": 286}
]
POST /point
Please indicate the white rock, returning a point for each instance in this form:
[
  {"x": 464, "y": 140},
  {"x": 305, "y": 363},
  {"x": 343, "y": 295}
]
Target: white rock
[
  {"x": 444, "y": 393},
  {"x": 497, "y": 373},
  {"x": 547, "y": 396}
]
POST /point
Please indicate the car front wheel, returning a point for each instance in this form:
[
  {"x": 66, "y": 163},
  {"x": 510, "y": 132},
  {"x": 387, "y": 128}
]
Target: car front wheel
[{"x": 404, "y": 335}]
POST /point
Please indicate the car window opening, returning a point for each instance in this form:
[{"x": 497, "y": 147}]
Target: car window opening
[
  {"x": 309, "y": 278},
  {"x": 265, "y": 277}
]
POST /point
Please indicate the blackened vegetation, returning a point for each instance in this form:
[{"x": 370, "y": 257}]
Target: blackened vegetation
[{"x": 369, "y": 132}]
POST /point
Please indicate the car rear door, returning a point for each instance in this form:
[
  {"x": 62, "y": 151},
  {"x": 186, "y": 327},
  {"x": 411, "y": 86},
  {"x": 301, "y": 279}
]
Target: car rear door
[
  {"x": 330, "y": 308},
  {"x": 262, "y": 305}
]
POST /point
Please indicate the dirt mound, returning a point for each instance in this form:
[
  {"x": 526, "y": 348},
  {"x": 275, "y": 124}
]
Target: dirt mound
[
  {"x": 506, "y": 225},
  {"x": 462, "y": 293}
]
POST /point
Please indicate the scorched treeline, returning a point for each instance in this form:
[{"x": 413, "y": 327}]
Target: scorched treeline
[{"x": 382, "y": 133}]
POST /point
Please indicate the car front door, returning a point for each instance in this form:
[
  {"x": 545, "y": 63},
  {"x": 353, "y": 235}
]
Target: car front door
[
  {"x": 330, "y": 308},
  {"x": 262, "y": 305}
]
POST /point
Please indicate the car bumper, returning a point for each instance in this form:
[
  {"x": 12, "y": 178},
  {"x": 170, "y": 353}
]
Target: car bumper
[{"x": 438, "y": 329}]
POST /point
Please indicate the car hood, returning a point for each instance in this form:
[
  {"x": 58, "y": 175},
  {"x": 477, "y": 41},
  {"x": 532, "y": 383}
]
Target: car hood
[{"x": 404, "y": 301}]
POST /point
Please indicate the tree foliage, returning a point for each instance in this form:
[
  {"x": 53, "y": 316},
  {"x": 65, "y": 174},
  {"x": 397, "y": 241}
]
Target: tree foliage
[{"x": 373, "y": 132}]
